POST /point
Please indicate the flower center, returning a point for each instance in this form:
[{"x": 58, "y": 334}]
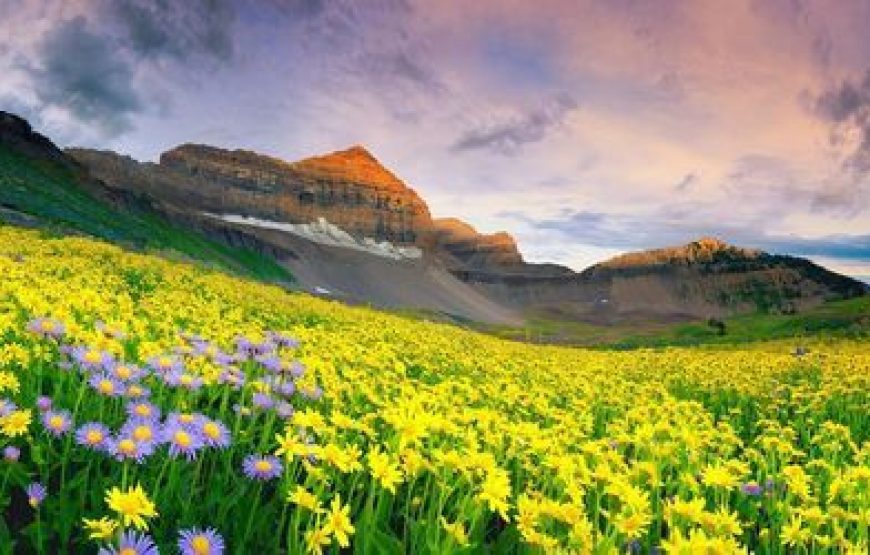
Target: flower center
[
  {"x": 94, "y": 436},
  {"x": 182, "y": 438},
  {"x": 185, "y": 418},
  {"x": 143, "y": 433},
  {"x": 200, "y": 545},
  {"x": 143, "y": 410},
  {"x": 123, "y": 372},
  {"x": 128, "y": 551},
  {"x": 263, "y": 466},
  {"x": 93, "y": 357},
  {"x": 211, "y": 430},
  {"x": 56, "y": 422},
  {"x": 127, "y": 446},
  {"x": 107, "y": 386}
]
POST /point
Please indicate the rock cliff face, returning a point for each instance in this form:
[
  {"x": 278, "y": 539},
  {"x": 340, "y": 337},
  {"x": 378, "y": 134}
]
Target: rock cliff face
[{"x": 350, "y": 188}]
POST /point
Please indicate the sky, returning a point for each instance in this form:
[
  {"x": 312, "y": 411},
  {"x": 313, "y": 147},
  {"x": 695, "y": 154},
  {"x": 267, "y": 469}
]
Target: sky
[{"x": 584, "y": 128}]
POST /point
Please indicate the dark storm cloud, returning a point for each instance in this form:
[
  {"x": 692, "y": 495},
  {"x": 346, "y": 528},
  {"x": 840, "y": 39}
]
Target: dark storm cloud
[
  {"x": 85, "y": 73},
  {"x": 677, "y": 225},
  {"x": 508, "y": 137},
  {"x": 847, "y": 105},
  {"x": 177, "y": 29}
]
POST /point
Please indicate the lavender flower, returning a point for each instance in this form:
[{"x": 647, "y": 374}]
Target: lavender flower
[
  {"x": 263, "y": 401},
  {"x": 57, "y": 422},
  {"x": 93, "y": 435},
  {"x": 214, "y": 433},
  {"x": 182, "y": 441},
  {"x": 43, "y": 403},
  {"x": 262, "y": 468},
  {"x": 284, "y": 409},
  {"x": 196, "y": 541},
  {"x": 142, "y": 430},
  {"x": 47, "y": 328},
  {"x": 752, "y": 489},
  {"x": 106, "y": 385},
  {"x": 6, "y": 407},
  {"x": 35, "y": 494},
  {"x": 132, "y": 543},
  {"x": 125, "y": 448},
  {"x": 143, "y": 410},
  {"x": 11, "y": 453}
]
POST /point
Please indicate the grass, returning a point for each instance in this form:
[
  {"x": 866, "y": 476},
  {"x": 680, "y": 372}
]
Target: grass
[
  {"x": 836, "y": 319},
  {"x": 53, "y": 196}
]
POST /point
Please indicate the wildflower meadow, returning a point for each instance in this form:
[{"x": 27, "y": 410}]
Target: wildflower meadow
[{"x": 150, "y": 406}]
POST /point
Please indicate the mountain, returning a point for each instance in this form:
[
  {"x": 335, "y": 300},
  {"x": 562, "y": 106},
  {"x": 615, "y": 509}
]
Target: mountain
[
  {"x": 341, "y": 223},
  {"x": 347, "y": 227},
  {"x": 41, "y": 186}
]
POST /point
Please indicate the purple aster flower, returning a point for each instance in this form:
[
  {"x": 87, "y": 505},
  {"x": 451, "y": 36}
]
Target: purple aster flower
[
  {"x": 287, "y": 388},
  {"x": 6, "y": 407},
  {"x": 257, "y": 467},
  {"x": 314, "y": 393},
  {"x": 297, "y": 369},
  {"x": 165, "y": 363},
  {"x": 124, "y": 372},
  {"x": 232, "y": 377},
  {"x": 106, "y": 385},
  {"x": 91, "y": 359},
  {"x": 263, "y": 401},
  {"x": 223, "y": 358},
  {"x": 94, "y": 435},
  {"x": 284, "y": 409},
  {"x": 125, "y": 448},
  {"x": 43, "y": 403},
  {"x": 11, "y": 453},
  {"x": 182, "y": 379},
  {"x": 186, "y": 420},
  {"x": 57, "y": 422},
  {"x": 35, "y": 494},
  {"x": 282, "y": 340},
  {"x": 47, "y": 328},
  {"x": 132, "y": 543},
  {"x": 271, "y": 363},
  {"x": 214, "y": 433},
  {"x": 182, "y": 441},
  {"x": 751, "y": 489},
  {"x": 142, "y": 430},
  {"x": 196, "y": 541},
  {"x": 136, "y": 391},
  {"x": 143, "y": 409}
]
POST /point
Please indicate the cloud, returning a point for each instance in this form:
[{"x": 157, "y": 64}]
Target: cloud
[
  {"x": 687, "y": 181},
  {"x": 177, "y": 29},
  {"x": 847, "y": 107},
  {"x": 508, "y": 137},
  {"x": 84, "y": 73}
]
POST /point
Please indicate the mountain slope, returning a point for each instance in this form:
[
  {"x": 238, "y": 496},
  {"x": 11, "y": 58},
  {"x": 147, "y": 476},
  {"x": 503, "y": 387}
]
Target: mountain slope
[{"x": 41, "y": 186}]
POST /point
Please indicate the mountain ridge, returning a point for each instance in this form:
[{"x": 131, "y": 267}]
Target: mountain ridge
[{"x": 243, "y": 198}]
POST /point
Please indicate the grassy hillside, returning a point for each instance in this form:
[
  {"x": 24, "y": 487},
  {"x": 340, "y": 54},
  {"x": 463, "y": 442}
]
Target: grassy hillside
[
  {"x": 51, "y": 194},
  {"x": 158, "y": 399},
  {"x": 834, "y": 319}
]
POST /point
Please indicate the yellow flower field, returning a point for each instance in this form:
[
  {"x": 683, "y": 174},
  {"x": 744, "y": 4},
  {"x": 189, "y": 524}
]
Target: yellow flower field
[{"x": 350, "y": 427}]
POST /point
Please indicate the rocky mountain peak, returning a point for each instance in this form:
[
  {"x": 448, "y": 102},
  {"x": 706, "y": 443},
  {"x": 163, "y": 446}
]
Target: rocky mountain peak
[
  {"x": 703, "y": 250},
  {"x": 352, "y": 165}
]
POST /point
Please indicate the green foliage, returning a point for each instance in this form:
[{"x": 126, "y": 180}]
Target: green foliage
[{"x": 53, "y": 196}]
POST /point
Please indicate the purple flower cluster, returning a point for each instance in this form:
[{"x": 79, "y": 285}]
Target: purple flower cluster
[{"x": 47, "y": 328}]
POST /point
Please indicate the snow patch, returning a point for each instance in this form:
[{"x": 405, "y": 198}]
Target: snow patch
[{"x": 326, "y": 233}]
